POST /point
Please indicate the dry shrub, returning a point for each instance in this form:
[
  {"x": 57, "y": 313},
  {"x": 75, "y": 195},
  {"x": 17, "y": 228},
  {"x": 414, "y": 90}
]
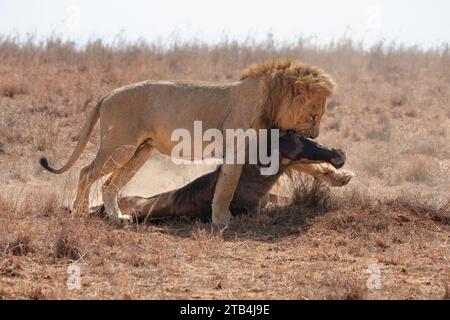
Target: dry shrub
[
  {"x": 335, "y": 125},
  {"x": 411, "y": 114},
  {"x": 398, "y": 101},
  {"x": 375, "y": 164},
  {"x": 10, "y": 266},
  {"x": 129, "y": 296},
  {"x": 208, "y": 238},
  {"x": 21, "y": 245},
  {"x": 345, "y": 289},
  {"x": 10, "y": 89},
  {"x": 381, "y": 130},
  {"x": 36, "y": 294},
  {"x": 423, "y": 205},
  {"x": 136, "y": 260},
  {"x": 48, "y": 204},
  {"x": 447, "y": 292},
  {"x": 67, "y": 244},
  {"x": 49, "y": 130},
  {"x": 4, "y": 293},
  {"x": 202, "y": 233},
  {"x": 312, "y": 194},
  {"x": 11, "y": 136},
  {"x": 6, "y": 205},
  {"x": 419, "y": 168},
  {"x": 38, "y": 203},
  {"x": 431, "y": 147}
]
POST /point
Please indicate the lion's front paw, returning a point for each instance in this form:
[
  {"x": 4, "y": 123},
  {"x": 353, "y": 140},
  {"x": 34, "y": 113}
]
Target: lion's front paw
[
  {"x": 126, "y": 218},
  {"x": 221, "y": 219},
  {"x": 339, "y": 178},
  {"x": 120, "y": 220}
]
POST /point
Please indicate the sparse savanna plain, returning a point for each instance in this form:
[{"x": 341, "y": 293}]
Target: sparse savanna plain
[{"x": 391, "y": 113}]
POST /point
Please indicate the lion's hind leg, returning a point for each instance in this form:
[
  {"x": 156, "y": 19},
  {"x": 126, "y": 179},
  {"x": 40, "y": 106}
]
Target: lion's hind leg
[
  {"x": 107, "y": 160},
  {"x": 88, "y": 175},
  {"x": 119, "y": 178}
]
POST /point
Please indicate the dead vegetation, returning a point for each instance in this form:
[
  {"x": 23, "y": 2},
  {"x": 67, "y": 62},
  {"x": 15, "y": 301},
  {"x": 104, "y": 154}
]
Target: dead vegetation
[
  {"x": 11, "y": 89},
  {"x": 391, "y": 115},
  {"x": 67, "y": 244}
]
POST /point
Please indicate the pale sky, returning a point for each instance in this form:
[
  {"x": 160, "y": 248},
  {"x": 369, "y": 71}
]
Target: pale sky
[{"x": 422, "y": 22}]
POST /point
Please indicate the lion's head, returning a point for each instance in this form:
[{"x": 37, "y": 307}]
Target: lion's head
[{"x": 296, "y": 94}]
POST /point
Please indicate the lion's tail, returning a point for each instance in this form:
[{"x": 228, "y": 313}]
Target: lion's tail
[{"x": 84, "y": 138}]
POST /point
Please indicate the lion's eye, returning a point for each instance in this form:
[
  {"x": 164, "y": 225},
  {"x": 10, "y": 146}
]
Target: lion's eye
[{"x": 313, "y": 118}]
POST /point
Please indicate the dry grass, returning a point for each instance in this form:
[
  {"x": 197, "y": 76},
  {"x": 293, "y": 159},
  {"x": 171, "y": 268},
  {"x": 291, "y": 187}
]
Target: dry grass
[
  {"x": 11, "y": 89},
  {"x": 391, "y": 114},
  {"x": 420, "y": 168},
  {"x": 67, "y": 245},
  {"x": 447, "y": 292}
]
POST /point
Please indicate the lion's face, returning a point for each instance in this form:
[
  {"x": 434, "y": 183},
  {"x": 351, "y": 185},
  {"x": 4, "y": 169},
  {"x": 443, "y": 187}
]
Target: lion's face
[
  {"x": 303, "y": 116},
  {"x": 296, "y": 94},
  {"x": 309, "y": 116}
]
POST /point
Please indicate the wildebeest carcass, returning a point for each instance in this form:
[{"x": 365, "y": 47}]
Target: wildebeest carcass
[{"x": 194, "y": 199}]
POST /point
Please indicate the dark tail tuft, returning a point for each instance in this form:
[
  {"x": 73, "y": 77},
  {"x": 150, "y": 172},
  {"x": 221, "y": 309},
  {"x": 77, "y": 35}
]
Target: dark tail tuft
[{"x": 44, "y": 163}]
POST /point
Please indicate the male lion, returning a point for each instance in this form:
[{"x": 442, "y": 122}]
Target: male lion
[{"x": 138, "y": 118}]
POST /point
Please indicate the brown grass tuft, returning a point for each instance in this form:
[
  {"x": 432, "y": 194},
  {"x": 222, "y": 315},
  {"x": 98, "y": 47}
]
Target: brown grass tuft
[
  {"x": 10, "y": 266},
  {"x": 312, "y": 194},
  {"x": 10, "y": 89},
  {"x": 343, "y": 288},
  {"x": 4, "y": 293},
  {"x": 420, "y": 168},
  {"x": 398, "y": 101},
  {"x": 22, "y": 245},
  {"x": 67, "y": 244},
  {"x": 45, "y": 204},
  {"x": 423, "y": 206},
  {"x": 447, "y": 292},
  {"x": 36, "y": 294}
]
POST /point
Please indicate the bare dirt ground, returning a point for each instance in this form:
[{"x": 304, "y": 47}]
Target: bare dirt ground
[{"x": 391, "y": 114}]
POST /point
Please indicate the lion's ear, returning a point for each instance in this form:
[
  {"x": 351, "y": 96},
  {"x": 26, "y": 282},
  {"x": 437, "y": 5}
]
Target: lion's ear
[{"x": 302, "y": 89}]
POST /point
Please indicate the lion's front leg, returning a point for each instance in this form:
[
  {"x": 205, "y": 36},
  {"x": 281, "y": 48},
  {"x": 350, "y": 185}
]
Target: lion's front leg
[
  {"x": 223, "y": 195},
  {"x": 327, "y": 173}
]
